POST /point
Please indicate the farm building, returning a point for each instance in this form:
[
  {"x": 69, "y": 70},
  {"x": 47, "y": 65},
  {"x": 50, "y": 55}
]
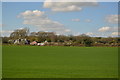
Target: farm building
[{"x": 33, "y": 43}]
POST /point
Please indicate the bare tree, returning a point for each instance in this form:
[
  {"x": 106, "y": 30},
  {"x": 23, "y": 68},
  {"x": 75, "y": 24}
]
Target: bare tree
[{"x": 20, "y": 33}]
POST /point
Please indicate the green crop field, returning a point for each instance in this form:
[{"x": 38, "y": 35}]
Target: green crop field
[
  {"x": 0, "y": 61},
  {"x": 59, "y": 62}
]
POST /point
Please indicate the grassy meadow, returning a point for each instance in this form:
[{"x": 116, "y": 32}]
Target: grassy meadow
[
  {"x": 0, "y": 61},
  {"x": 59, "y": 62}
]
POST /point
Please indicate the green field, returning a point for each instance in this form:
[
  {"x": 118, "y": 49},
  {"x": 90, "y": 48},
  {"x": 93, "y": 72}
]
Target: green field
[
  {"x": 0, "y": 61},
  {"x": 60, "y": 62}
]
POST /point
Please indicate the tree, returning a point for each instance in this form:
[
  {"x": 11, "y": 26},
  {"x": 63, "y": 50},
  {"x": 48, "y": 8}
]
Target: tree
[
  {"x": 87, "y": 42},
  {"x": 20, "y": 33},
  {"x": 5, "y": 39}
]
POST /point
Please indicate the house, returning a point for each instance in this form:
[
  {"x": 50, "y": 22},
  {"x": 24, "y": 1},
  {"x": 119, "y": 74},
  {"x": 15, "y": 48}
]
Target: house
[
  {"x": 17, "y": 41},
  {"x": 41, "y": 44},
  {"x": 20, "y": 41},
  {"x": 33, "y": 43}
]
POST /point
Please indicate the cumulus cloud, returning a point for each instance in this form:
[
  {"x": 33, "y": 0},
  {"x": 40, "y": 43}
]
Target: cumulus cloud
[
  {"x": 75, "y": 20},
  {"x": 67, "y": 30},
  {"x": 5, "y": 32},
  {"x": 43, "y": 23},
  {"x": 66, "y": 9},
  {"x": 112, "y": 19},
  {"x": 64, "y": 6},
  {"x": 89, "y": 33},
  {"x": 115, "y": 33},
  {"x": 104, "y": 29},
  {"x": 108, "y": 29}
]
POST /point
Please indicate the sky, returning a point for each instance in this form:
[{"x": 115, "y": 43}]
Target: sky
[{"x": 67, "y": 18}]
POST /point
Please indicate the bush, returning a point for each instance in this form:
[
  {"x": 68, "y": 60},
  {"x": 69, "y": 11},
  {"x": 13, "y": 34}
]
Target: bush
[{"x": 87, "y": 42}]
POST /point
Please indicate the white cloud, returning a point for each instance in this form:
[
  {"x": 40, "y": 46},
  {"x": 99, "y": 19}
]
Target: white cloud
[
  {"x": 108, "y": 29},
  {"x": 66, "y": 9},
  {"x": 89, "y": 34},
  {"x": 104, "y": 29},
  {"x": 112, "y": 19},
  {"x": 67, "y": 30},
  {"x": 115, "y": 33},
  {"x": 32, "y": 14},
  {"x": 68, "y": 6},
  {"x": 76, "y": 33},
  {"x": 42, "y": 22},
  {"x": 5, "y": 32},
  {"x": 76, "y": 20}
]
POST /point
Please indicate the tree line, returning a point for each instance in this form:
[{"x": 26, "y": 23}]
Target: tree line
[{"x": 60, "y": 40}]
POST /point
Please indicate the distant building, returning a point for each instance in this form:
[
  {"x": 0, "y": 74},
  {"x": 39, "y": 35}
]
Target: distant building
[
  {"x": 33, "y": 43},
  {"x": 20, "y": 41},
  {"x": 41, "y": 44}
]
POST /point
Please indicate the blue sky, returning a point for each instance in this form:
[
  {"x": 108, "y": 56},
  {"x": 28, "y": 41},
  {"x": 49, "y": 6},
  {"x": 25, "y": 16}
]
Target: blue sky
[{"x": 93, "y": 20}]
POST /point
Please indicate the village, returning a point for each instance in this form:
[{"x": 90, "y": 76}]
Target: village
[
  {"x": 36, "y": 43},
  {"x": 27, "y": 42},
  {"x": 40, "y": 38}
]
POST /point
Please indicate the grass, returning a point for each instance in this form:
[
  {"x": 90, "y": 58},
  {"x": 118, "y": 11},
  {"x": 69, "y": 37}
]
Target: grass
[
  {"x": 60, "y": 62},
  {"x": 0, "y": 61}
]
